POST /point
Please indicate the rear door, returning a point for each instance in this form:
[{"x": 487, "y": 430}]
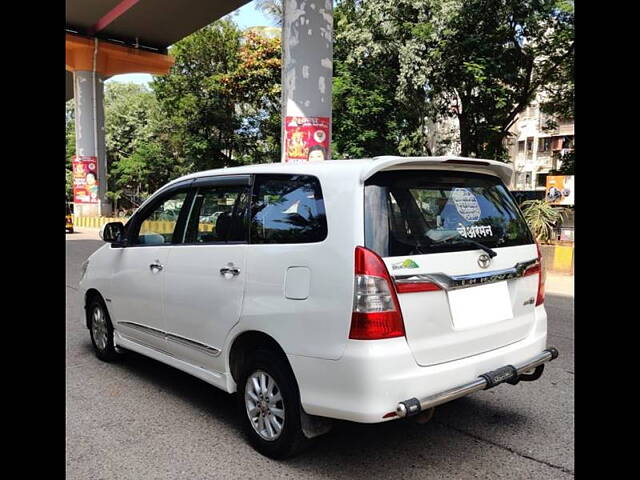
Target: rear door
[
  {"x": 439, "y": 231},
  {"x": 206, "y": 271}
]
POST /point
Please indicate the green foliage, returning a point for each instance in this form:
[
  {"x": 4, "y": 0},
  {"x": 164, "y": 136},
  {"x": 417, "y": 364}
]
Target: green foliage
[
  {"x": 69, "y": 185},
  {"x": 114, "y": 197},
  {"x": 70, "y": 132},
  {"x": 202, "y": 119},
  {"x": 480, "y": 61},
  {"x": 559, "y": 89},
  {"x": 255, "y": 88},
  {"x": 128, "y": 109},
  {"x": 70, "y": 139},
  {"x": 568, "y": 163},
  {"x": 541, "y": 218},
  {"x": 221, "y": 97},
  {"x": 368, "y": 119}
]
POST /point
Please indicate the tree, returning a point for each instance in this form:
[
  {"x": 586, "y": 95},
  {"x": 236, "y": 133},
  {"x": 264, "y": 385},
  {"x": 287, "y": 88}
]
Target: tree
[
  {"x": 255, "y": 88},
  {"x": 202, "y": 118},
  {"x": 368, "y": 119},
  {"x": 128, "y": 108},
  {"x": 134, "y": 127},
  {"x": 70, "y": 138},
  {"x": 481, "y": 61},
  {"x": 558, "y": 92},
  {"x": 221, "y": 98}
]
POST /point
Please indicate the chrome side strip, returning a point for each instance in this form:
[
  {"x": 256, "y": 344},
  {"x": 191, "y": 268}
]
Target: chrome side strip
[
  {"x": 144, "y": 344},
  {"x": 143, "y": 328},
  {"x": 208, "y": 349},
  {"x": 454, "y": 282}
]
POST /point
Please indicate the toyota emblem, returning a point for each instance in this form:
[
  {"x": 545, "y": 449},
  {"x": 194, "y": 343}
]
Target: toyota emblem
[{"x": 484, "y": 260}]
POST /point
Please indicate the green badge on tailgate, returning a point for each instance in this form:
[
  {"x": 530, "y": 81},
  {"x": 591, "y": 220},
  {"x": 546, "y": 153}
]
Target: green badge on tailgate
[{"x": 408, "y": 263}]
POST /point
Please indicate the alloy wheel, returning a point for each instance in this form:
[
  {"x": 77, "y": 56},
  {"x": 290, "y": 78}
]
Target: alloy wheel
[
  {"x": 264, "y": 405},
  {"x": 99, "y": 328}
]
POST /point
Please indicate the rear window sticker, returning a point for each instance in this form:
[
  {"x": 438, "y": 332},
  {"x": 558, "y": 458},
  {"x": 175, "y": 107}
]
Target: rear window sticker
[
  {"x": 474, "y": 231},
  {"x": 466, "y": 204}
]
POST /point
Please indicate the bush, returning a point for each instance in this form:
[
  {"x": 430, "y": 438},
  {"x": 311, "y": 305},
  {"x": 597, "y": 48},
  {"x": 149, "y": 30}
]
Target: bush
[{"x": 541, "y": 217}]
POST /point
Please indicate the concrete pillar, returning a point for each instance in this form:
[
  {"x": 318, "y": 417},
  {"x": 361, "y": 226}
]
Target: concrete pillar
[
  {"x": 89, "y": 117},
  {"x": 307, "y": 68}
]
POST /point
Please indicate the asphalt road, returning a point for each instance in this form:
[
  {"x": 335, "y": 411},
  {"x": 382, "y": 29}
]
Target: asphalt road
[{"x": 140, "y": 419}]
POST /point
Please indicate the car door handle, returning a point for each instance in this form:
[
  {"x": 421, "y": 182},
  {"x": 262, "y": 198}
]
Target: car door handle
[
  {"x": 156, "y": 266},
  {"x": 229, "y": 270}
]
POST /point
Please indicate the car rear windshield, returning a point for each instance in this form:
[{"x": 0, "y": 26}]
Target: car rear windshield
[{"x": 414, "y": 212}]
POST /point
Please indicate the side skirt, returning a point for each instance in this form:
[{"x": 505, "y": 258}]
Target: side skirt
[{"x": 217, "y": 379}]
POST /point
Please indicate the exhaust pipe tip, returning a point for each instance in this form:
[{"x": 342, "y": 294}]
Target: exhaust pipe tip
[{"x": 408, "y": 408}]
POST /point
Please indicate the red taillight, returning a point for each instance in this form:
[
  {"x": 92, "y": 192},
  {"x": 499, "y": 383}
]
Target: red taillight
[
  {"x": 537, "y": 269},
  {"x": 376, "y": 310}
]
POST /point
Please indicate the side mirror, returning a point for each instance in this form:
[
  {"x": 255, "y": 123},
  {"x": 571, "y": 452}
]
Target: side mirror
[{"x": 113, "y": 232}]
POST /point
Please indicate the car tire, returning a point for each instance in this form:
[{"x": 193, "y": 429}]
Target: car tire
[
  {"x": 101, "y": 330},
  {"x": 280, "y": 383}
]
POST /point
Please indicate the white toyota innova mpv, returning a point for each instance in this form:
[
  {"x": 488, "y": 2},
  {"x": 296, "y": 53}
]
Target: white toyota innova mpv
[{"x": 362, "y": 290}]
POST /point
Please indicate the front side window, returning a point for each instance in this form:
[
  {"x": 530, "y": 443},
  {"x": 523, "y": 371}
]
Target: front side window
[
  {"x": 431, "y": 212},
  {"x": 218, "y": 215},
  {"x": 159, "y": 224},
  {"x": 287, "y": 209}
]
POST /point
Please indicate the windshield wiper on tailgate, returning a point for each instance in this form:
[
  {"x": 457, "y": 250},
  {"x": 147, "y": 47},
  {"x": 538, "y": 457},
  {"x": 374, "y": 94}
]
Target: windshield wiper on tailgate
[{"x": 468, "y": 241}]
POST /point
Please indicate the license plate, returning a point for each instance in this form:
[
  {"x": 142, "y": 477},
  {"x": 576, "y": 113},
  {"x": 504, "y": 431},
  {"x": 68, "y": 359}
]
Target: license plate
[{"x": 476, "y": 306}]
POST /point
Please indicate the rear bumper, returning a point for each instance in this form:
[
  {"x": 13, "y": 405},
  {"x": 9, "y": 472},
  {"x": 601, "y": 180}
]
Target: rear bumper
[
  {"x": 508, "y": 373},
  {"x": 372, "y": 376}
]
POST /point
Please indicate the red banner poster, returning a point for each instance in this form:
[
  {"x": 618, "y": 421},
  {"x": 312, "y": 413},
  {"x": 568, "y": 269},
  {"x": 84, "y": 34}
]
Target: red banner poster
[
  {"x": 85, "y": 179},
  {"x": 307, "y": 139}
]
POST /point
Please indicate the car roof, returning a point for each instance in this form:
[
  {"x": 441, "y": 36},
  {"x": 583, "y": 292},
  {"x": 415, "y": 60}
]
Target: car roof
[{"x": 365, "y": 168}]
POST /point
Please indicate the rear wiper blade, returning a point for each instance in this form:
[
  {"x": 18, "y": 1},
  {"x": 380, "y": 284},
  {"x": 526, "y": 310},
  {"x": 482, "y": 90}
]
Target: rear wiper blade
[{"x": 458, "y": 240}]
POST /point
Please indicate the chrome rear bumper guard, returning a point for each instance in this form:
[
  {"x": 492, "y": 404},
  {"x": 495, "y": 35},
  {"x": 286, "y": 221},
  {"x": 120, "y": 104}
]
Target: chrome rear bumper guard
[{"x": 509, "y": 373}]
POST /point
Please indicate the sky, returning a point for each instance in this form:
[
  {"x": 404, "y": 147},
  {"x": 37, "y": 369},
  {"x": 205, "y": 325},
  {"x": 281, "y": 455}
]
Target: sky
[{"x": 246, "y": 16}]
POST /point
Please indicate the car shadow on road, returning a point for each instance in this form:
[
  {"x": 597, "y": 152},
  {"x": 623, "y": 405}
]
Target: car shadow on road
[
  {"x": 189, "y": 389},
  {"x": 350, "y": 448}
]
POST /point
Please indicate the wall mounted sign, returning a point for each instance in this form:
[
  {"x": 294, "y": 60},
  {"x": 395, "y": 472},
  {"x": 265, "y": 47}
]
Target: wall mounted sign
[
  {"x": 85, "y": 179},
  {"x": 307, "y": 139}
]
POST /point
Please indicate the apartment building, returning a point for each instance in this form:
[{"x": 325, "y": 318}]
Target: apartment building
[{"x": 534, "y": 151}]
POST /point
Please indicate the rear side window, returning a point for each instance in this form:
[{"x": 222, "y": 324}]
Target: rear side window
[
  {"x": 218, "y": 215},
  {"x": 287, "y": 209},
  {"x": 414, "y": 212}
]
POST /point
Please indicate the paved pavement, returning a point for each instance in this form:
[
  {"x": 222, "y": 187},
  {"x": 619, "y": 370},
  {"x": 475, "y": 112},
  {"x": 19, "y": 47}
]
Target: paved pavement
[{"x": 140, "y": 419}]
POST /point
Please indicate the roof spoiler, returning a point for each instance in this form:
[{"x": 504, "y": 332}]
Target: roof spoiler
[{"x": 478, "y": 165}]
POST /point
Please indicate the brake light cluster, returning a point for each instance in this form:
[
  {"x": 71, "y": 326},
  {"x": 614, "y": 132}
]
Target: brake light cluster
[
  {"x": 376, "y": 310},
  {"x": 538, "y": 269}
]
